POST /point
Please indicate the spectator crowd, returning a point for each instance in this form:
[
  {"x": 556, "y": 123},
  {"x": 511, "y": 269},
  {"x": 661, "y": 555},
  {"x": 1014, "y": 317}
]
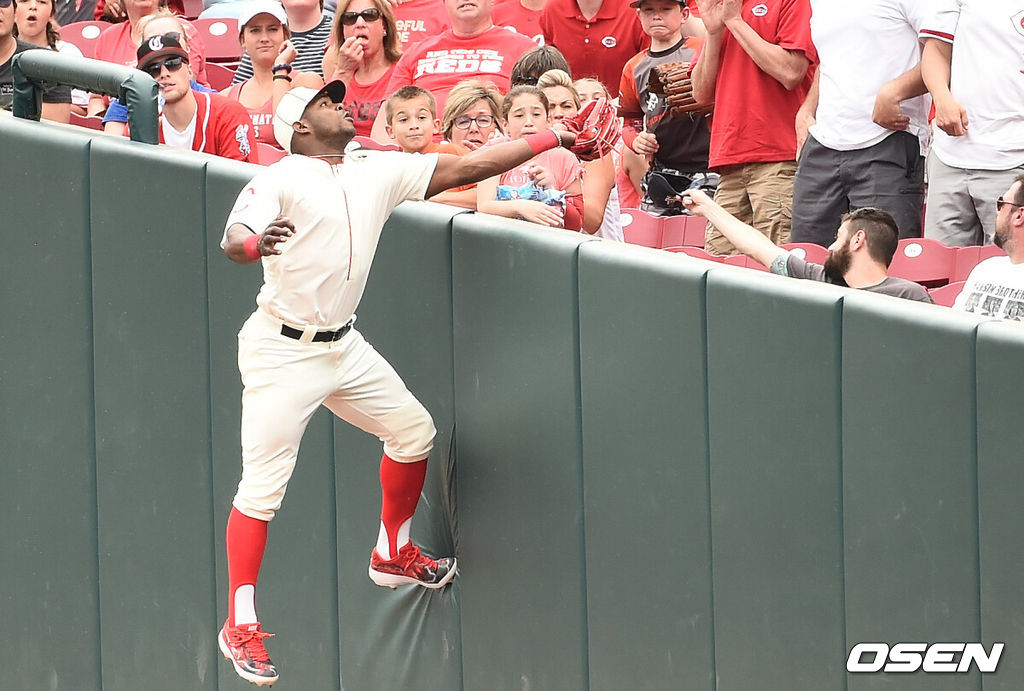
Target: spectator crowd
[{"x": 850, "y": 126}]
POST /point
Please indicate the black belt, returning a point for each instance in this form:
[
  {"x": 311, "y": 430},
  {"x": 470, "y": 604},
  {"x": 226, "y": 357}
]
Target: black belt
[{"x": 320, "y": 337}]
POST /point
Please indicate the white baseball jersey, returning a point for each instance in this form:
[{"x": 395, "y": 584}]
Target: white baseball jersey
[
  {"x": 862, "y": 46},
  {"x": 985, "y": 78},
  {"x": 338, "y": 211}
]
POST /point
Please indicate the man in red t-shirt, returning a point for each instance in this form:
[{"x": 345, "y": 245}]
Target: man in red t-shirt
[
  {"x": 473, "y": 48},
  {"x": 521, "y": 15},
  {"x": 597, "y": 37},
  {"x": 756, "y": 67},
  {"x": 417, "y": 20}
]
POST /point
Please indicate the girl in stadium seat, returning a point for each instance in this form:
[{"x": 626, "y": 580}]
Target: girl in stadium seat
[
  {"x": 35, "y": 22},
  {"x": 263, "y": 34},
  {"x": 547, "y": 189}
]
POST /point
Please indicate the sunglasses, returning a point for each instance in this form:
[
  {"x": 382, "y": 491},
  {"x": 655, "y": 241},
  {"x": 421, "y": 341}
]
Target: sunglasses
[
  {"x": 349, "y": 18},
  {"x": 481, "y": 121},
  {"x": 1000, "y": 203},
  {"x": 172, "y": 65}
]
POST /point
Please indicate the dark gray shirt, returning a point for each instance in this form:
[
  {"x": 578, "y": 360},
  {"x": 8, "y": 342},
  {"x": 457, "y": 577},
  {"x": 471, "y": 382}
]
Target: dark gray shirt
[
  {"x": 788, "y": 264},
  {"x": 52, "y": 93}
]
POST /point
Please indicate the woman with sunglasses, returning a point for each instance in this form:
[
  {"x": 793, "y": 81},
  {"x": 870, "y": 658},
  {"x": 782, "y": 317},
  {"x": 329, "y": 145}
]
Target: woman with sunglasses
[
  {"x": 263, "y": 34},
  {"x": 35, "y": 23},
  {"x": 362, "y": 53}
]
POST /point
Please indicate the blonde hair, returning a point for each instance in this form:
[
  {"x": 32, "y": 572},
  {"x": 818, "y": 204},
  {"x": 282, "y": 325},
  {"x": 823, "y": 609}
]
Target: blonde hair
[
  {"x": 392, "y": 44},
  {"x": 462, "y": 97},
  {"x": 164, "y": 13},
  {"x": 559, "y": 78},
  {"x": 577, "y": 85}
]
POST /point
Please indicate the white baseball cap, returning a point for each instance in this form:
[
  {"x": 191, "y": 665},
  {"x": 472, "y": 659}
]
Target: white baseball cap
[
  {"x": 251, "y": 9},
  {"x": 293, "y": 105}
]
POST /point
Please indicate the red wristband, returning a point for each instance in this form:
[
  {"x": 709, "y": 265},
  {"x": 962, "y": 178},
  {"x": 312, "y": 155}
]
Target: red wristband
[
  {"x": 252, "y": 246},
  {"x": 542, "y": 141}
]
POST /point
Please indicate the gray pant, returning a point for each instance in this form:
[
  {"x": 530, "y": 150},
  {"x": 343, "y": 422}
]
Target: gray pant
[
  {"x": 829, "y": 183},
  {"x": 962, "y": 202}
]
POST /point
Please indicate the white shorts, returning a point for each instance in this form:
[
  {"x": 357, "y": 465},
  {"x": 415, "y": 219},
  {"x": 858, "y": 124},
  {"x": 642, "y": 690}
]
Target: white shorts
[{"x": 285, "y": 381}]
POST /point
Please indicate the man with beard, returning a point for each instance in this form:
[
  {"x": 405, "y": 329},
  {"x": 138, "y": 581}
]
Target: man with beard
[
  {"x": 859, "y": 258},
  {"x": 995, "y": 287}
]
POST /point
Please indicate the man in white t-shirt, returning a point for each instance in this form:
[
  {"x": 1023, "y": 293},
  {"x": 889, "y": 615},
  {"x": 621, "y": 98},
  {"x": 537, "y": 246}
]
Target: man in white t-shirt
[
  {"x": 865, "y": 118},
  {"x": 979, "y": 137},
  {"x": 995, "y": 287}
]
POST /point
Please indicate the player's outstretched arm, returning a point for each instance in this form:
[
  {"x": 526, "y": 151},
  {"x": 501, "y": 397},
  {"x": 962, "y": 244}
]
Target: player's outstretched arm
[
  {"x": 245, "y": 246},
  {"x": 746, "y": 239},
  {"x": 453, "y": 171}
]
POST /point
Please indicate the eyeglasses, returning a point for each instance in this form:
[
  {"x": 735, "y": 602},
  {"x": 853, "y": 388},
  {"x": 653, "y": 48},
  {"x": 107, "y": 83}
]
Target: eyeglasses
[
  {"x": 172, "y": 65},
  {"x": 371, "y": 14},
  {"x": 526, "y": 80},
  {"x": 1000, "y": 203},
  {"x": 463, "y": 122}
]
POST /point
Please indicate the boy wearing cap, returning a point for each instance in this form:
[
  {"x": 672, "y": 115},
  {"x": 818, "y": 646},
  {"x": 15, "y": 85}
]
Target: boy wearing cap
[
  {"x": 190, "y": 119},
  {"x": 673, "y": 144},
  {"x": 313, "y": 219}
]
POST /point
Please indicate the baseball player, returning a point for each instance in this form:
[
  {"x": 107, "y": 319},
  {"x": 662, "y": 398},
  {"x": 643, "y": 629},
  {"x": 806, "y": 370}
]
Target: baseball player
[{"x": 313, "y": 219}]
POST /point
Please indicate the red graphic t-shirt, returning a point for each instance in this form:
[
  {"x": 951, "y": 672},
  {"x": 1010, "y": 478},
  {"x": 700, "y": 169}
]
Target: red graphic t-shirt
[
  {"x": 437, "y": 64},
  {"x": 419, "y": 19},
  {"x": 363, "y": 101}
]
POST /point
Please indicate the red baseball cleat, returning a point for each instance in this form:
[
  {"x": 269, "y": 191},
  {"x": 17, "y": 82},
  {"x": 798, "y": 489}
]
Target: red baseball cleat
[
  {"x": 243, "y": 646},
  {"x": 411, "y": 566}
]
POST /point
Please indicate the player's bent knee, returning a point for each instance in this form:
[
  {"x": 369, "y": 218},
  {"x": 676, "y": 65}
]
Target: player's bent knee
[{"x": 410, "y": 433}]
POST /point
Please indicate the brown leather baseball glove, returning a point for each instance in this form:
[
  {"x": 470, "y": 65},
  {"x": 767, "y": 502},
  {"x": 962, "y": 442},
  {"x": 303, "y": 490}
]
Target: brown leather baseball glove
[
  {"x": 596, "y": 127},
  {"x": 672, "y": 80}
]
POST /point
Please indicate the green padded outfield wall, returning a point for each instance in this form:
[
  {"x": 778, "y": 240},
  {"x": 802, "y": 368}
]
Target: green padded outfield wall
[{"x": 657, "y": 473}]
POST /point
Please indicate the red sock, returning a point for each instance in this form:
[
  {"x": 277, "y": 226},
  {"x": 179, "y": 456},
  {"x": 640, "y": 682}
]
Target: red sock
[
  {"x": 400, "y": 484},
  {"x": 246, "y": 542}
]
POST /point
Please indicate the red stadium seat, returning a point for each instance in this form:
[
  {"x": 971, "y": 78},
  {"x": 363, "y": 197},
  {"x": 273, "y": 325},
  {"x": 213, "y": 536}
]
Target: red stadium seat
[
  {"x": 684, "y": 231},
  {"x": 92, "y": 122},
  {"x": 83, "y": 35},
  {"x": 923, "y": 260},
  {"x": 219, "y": 76},
  {"x": 220, "y": 37},
  {"x": 966, "y": 258},
  {"x": 697, "y": 253},
  {"x": 268, "y": 154},
  {"x": 641, "y": 228},
  {"x": 744, "y": 261},
  {"x": 808, "y": 251},
  {"x": 946, "y": 295}
]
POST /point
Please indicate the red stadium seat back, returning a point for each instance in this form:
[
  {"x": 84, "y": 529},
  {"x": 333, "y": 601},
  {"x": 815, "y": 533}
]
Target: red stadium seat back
[
  {"x": 83, "y": 35},
  {"x": 641, "y": 228},
  {"x": 946, "y": 295},
  {"x": 269, "y": 154},
  {"x": 219, "y": 76},
  {"x": 373, "y": 144},
  {"x": 697, "y": 253},
  {"x": 92, "y": 122},
  {"x": 966, "y": 258},
  {"x": 923, "y": 260},
  {"x": 683, "y": 231},
  {"x": 808, "y": 251},
  {"x": 744, "y": 261},
  {"x": 220, "y": 37}
]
